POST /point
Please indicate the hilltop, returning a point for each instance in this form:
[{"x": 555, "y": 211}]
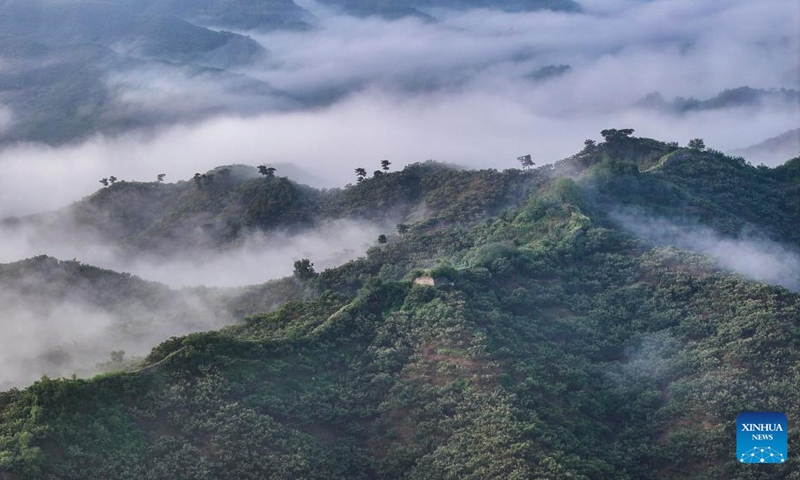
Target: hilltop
[
  {"x": 625, "y": 174},
  {"x": 223, "y": 206},
  {"x": 564, "y": 344}
]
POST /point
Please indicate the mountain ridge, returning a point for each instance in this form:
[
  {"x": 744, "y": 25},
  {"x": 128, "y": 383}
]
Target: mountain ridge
[{"x": 560, "y": 346}]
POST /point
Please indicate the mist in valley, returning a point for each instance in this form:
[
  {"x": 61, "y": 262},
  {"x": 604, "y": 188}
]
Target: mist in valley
[
  {"x": 477, "y": 88},
  {"x": 258, "y": 257},
  {"x": 751, "y": 255},
  {"x": 61, "y": 318}
]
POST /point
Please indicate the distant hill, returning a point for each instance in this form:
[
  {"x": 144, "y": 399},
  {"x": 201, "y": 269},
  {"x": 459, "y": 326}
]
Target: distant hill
[
  {"x": 112, "y": 25},
  {"x": 563, "y": 342},
  {"x": 423, "y": 8},
  {"x": 732, "y": 98},
  {"x": 238, "y": 14},
  {"x": 773, "y": 150},
  {"x": 76, "y": 68},
  {"x": 64, "y": 93},
  {"x": 222, "y": 206}
]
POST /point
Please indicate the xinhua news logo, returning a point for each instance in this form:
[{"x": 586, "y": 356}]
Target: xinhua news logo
[{"x": 761, "y": 437}]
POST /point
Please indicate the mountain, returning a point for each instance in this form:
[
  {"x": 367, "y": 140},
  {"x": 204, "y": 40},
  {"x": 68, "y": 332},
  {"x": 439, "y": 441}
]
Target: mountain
[
  {"x": 222, "y": 207},
  {"x": 550, "y": 337},
  {"x": 124, "y": 30},
  {"x": 741, "y": 97},
  {"x": 77, "y": 68},
  {"x": 426, "y": 8},
  {"x": 65, "y": 93},
  {"x": 786, "y": 145},
  {"x": 237, "y": 14}
]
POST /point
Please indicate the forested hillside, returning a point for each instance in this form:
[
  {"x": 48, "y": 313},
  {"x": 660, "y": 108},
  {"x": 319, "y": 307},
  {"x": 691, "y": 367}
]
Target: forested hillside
[
  {"x": 567, "y": 335},
  {"x": 221, "y": 207}
]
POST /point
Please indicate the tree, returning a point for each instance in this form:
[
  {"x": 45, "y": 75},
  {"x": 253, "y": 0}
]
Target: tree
[
  {"x": 104, "y": 181},
  {"x": 118, "y": 357},
  {"x": 385, "y": 165},
  {"x": 361, "y": 174},
  {"x": 304, "y": 270},
  {"x": 377, "y": 173},
  {"x": 402, "y": 228},
  {"x": 160, "y": 177},
  {"x": 112, "y": 179},
  {"x": 382, "y": 239},
  {"x": 203, "y": 180},
  {"x": 697, "y": 144},
  {"x": 526, "y": 161},
  {"x": 266, "y": 171},
  {"x": 613, "y": 135}
]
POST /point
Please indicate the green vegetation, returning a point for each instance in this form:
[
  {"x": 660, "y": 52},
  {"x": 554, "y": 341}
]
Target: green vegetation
[
  {"x": 564, "y": 348},
  {"x": 222, "y": 206}
]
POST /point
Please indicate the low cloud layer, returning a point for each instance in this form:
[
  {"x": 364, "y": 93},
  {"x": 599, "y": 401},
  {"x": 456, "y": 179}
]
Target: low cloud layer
[
  {"x": 466, "y": 89},
  {"x": 74, "y": 337},
  {"x": 619, "y": 51},
  {"x": 759, "y": 259},
  {"x": 261, "y": 257},
  {"x": 477, "y": 129},
  {"x": 57, "y": 324},
  {"x": 458, "y": 90}
]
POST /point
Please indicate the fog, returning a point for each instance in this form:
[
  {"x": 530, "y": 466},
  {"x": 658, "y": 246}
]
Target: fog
[
  {"x": 457, "y": 90},
  {"x": 263, "y": 257},
  {"x": 466, "y": 89},
  {"x": 258, "y": 258},
  {"x": 619, "y": 54},
  {"x": 756, "y": 258},
  {"x": 59, "y": 326},
  {"x": 477, "y": 129}
]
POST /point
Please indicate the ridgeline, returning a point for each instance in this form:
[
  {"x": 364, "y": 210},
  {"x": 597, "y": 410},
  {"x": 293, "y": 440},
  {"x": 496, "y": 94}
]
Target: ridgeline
[{"x": 561, "y": 345}]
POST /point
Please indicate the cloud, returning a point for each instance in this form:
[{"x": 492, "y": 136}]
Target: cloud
[
  {"x": 59, "y": 327},
  {"x": 60, "y": 336},
  {"x": 258, "y": 258},
  {"x": 6, "y": 116},
  {"x": 455, "y": 90},
  {"x": 678, "y": 47},
  {"x": 473, "y": 128},
  {"x": 263, "y": 257},
  {"x": 353, "y": 91},
  {"x": 759, "y": 259}
]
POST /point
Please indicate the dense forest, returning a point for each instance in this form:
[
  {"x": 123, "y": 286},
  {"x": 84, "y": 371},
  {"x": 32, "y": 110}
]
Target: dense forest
[{"x": 555, "y": 343}]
